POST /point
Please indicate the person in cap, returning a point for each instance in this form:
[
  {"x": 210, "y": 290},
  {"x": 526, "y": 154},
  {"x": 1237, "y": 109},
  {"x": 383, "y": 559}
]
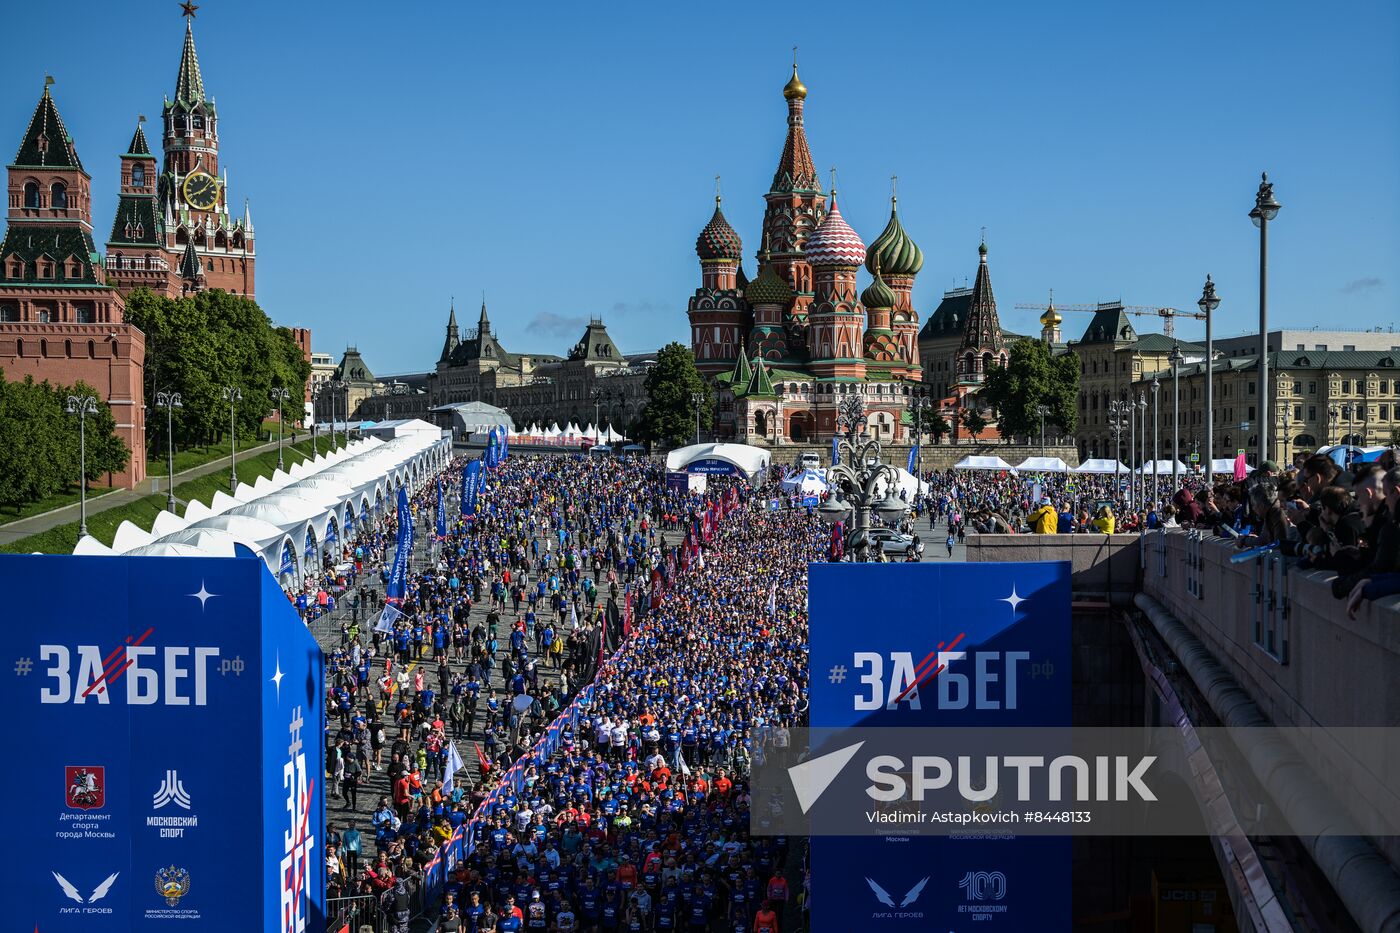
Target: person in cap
[{"x": 1044, "y": 520}]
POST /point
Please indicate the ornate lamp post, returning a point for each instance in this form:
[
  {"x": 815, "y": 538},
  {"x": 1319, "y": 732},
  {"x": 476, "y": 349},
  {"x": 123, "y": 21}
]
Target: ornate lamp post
[
  {"x": 1117, "y": 421},
  {"x": 598, "y": 396},
  {"x": 1208, "y": 304},
  {"x": 1176, "y": 359},
  {"x": 169, "y": 401},
  {"x": 1332, "y": 421},
  {"x": 1266, "y": 208},
  {"x": 280, "y": 395},
  {"x": 1156, "y": 433},
  {"x": 697, "y": 398},
  {"x": 1132, "y": 449},
  {"x": 1142, "y": 444},
  {"x": 1042, "y": 411},
  {"x": 856, "y": 483},
  {"x": 1287, "y": 435},
  {"x": 82, "y": 406},
  {"x": 233, "y": 395}
]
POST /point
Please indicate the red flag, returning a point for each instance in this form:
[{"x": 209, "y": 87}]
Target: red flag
[
  {"x": 627, "y": 615},
  {"x": 485, "y": 765}
]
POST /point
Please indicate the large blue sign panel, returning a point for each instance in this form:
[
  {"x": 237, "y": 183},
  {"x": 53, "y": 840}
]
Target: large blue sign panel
[
  {"x": 1002, "y": 634},
  {"x": 170, "y": 722}
]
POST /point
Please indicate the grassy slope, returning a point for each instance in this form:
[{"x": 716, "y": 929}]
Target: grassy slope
[{"x": 103, "y": 525}]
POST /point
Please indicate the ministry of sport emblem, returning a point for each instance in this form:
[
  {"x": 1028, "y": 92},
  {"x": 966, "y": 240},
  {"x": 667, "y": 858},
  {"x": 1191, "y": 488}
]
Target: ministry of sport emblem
[
  {"x": 86, "y": 786},
  {"x": 172, "y": 884}
]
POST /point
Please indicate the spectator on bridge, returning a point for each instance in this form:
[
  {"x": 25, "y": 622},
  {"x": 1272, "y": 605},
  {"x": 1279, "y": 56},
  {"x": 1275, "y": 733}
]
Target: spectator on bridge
[{"x": 1044, "y": 520}]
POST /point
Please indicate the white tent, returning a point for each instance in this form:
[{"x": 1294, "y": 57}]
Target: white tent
[
  {"x": 1226, "y": 465},
  {"x": 906, "y": 483},
  {"x": 1101, "y": 466},
  {"x": 983, "y": 463},
  {"x": 1043, "y": 465},
  {"x": 553, "y": 430},
  {"x": 808, "y": 483},
  {"x": 719, "y": 458},
  {"x": 1164, "y": 467},
  {"x": 609, "y": 435}
]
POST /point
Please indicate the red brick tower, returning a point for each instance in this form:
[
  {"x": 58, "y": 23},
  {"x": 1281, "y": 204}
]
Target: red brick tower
[
  {"x": 719, "y": 316},
  {"x": 982, "y": 347},
  {"x": 795, "y": 209},
  {"x": 193, "y": 196},
  {"x": 135, "y": 250}
]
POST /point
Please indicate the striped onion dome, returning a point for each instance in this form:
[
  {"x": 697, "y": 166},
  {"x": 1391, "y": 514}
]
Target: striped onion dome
[
  {"x": 893, "y": 250},
  {"x": 834, "y": 243},
  {"x": 719, "y": 241}
]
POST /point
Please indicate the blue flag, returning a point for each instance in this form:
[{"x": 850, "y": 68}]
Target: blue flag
[
  {"x": 913, "y": 465},
  {"x": 398, "y": 575},
  {"x": 471, "y": 488},
  {"x": 441, "y": 513},
  {"x": 835, "y": 451},
  {"x": 505, "y": 442}
]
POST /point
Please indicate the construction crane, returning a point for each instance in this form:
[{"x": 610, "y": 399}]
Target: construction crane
[{"x": 1168, "y": 315}]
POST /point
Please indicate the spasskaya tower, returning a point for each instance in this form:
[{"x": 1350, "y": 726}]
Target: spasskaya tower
[{"x": 199, "y": 241}]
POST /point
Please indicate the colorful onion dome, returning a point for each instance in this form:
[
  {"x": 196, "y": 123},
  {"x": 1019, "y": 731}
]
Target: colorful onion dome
[
  {"x": 795, "y": 89},
  {"x": 719, "y": 241},
  {"x": 834, "y": 243},
  {"x": 893, "y": 250},
  {"x": 769, "y": 288},
  {"x": 878, "y": 295}
]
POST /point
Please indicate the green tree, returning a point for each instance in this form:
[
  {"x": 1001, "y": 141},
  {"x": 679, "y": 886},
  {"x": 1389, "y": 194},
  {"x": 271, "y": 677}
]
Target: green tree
[
  {"x": 669, "y": 415},
  {"x": 39, "y": 440},
  {"x": 199, "y": 344},
  {"x": 1031, "y": 378},
  {"x": 973, "y": 421},
  {"x": 1395, "y": 437},
  {"x": 932, "y": 422}
]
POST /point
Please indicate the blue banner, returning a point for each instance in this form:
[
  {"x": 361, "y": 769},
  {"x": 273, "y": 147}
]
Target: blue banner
[
  {"x": 471, "y": 488},
  {"x": 988, "y": 623},
  {"x": 913, "y": 465},
  {"x": 403, "y": 551},
  {"x": 441, "y": 513},
  {"x": 505, "y": 442},
  {"x": 131, "y": 805},
  {"x": 835, "y": 451}
]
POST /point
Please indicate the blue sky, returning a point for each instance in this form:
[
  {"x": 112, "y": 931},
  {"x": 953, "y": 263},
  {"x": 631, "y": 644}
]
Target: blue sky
[{"x": 561, "y": 157}]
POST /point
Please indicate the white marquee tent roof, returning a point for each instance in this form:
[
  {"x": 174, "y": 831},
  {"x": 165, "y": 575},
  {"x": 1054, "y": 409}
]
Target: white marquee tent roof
[
  {"x": 746, "y": 459},
  {"x": 291, "y": 508},
  {"x": 1043, "y": 465},
  {"x": 1101, "y": 466},
  {"x": 1164, "y": 467},
  {"x": 983, "y": 463}
]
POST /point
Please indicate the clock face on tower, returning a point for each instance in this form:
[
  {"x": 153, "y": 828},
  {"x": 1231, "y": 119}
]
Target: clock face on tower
[{"x": 201, "y": 191}]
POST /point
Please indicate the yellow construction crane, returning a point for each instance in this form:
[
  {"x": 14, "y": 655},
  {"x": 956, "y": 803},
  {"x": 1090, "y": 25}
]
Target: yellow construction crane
[{"x": 1168, "y": 315}]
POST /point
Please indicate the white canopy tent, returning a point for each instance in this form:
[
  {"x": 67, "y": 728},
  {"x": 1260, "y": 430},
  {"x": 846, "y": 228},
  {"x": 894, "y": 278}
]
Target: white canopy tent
[
  {"x": 983, "y": 463},
  {"x": 291, "y": 508},
  {"x": 1164, "y": 467},
  {"x": 1227, "y": 465},
  {"x": 906, "y": 484},
  {"x": 1042, "y": 465},
  {"x": 807, "y": 483},
  {"x": 719, "y": 458},
  {"x": 1101, "y": 466}
]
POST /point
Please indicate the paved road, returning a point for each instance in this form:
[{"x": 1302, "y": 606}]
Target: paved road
[{"x": 34, "y": 524}]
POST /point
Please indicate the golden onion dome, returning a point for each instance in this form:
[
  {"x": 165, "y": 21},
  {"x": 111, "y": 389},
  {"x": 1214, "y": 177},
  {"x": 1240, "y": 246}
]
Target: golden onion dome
[
  {"x": 1050, "y": 318},
  {"x": 795, "y": 88}
]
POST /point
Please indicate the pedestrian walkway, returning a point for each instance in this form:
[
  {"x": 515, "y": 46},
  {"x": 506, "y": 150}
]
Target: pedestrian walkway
[{"x": 68, "y": 514}]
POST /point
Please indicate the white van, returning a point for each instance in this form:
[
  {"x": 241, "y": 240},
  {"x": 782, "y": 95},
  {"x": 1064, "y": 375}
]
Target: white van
[{"x": 809, "y": 461}]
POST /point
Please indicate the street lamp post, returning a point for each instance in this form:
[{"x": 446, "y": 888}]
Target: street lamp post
[
  {"x": 855, "y": 483},
  {"x": 1142, "y": 444},
  {"x": 1132, "y": 449},
  {"x": 169, "y": 401},
  {"x": 1287, "y": 436},
  {"x": 1176, "y": 358},
  {"x": 233, "y": 395},
  {"x": 1117, "y": 421},
  {"x": 697, "y": 398},
  {"x": 1208, "y": 303},
  {"x": 1266, "y": 208},
  {"x": 1156, "y": 433},
  {"x": 1331, "y": 422},
  {"x": 598, "y": 395},
  {"x": 1042, "y": 410},
  {"x": 280, "y": 395},
  {"x": 82, "y": 406},
  {"x": 1348, "y": 415}
]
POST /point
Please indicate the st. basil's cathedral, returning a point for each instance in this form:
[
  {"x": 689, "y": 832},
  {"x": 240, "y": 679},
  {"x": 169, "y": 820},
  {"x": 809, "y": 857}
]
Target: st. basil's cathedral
[{"x": 786, "y": 348}]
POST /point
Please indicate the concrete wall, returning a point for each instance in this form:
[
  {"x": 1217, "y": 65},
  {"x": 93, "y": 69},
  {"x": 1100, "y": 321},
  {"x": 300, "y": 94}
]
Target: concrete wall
[
  {"x": 1105, "y": 566},
  {"x": 1336, "y": 672}
]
